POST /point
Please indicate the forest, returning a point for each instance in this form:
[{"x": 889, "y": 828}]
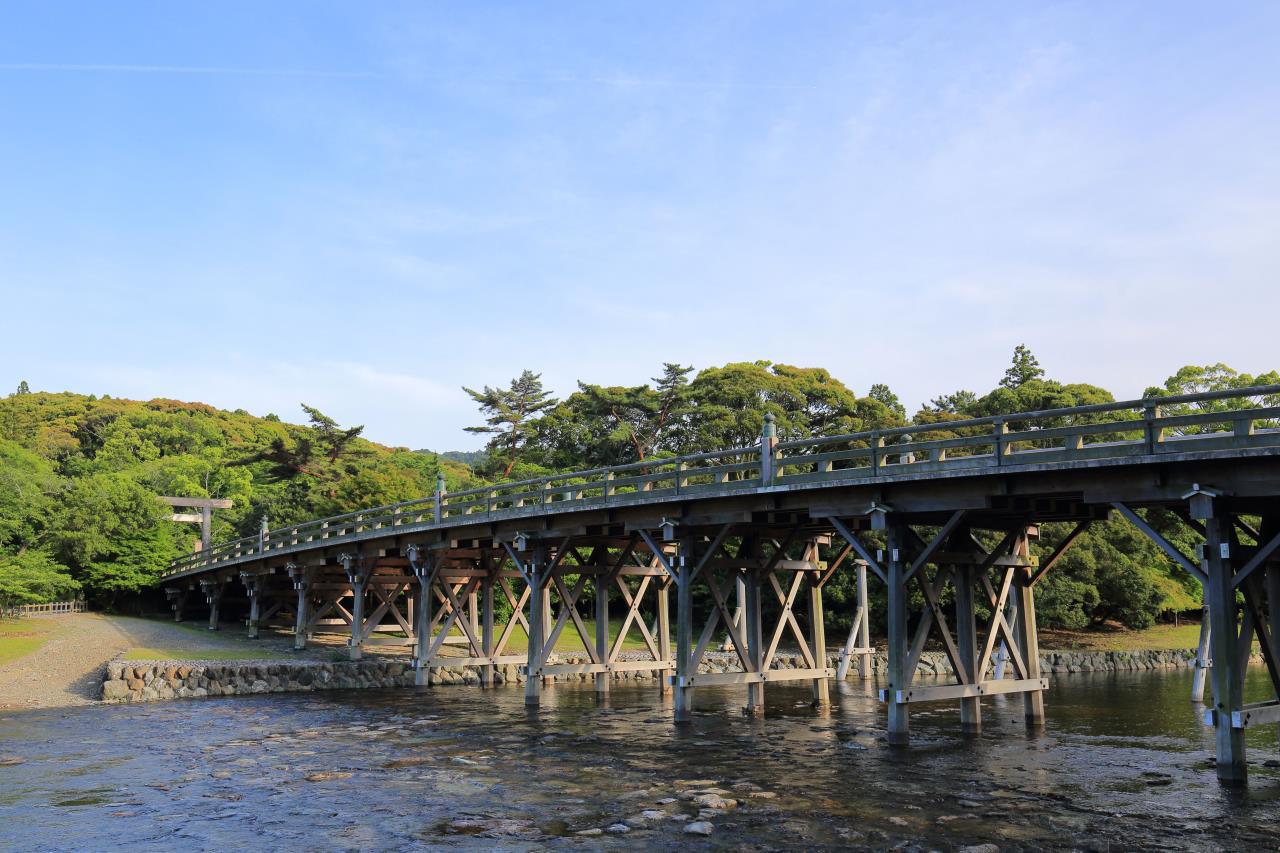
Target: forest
[{"x": 80, "y": 475}]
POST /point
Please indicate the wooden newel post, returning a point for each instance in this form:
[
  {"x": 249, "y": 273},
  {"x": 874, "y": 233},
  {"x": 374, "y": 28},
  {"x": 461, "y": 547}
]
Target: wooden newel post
[
  {"x": 440, "y": 493},
  {"x": 768, "y": 450}
]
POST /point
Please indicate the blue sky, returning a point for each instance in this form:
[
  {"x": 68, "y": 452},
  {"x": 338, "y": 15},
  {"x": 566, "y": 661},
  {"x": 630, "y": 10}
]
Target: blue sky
[{"x": 366, "y": 206}]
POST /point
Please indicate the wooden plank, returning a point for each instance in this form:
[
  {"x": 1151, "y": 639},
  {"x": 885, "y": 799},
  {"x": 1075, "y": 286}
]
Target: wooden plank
[
  {"x": 711, "y": 679},
  {"x": 944, "y": 692}
]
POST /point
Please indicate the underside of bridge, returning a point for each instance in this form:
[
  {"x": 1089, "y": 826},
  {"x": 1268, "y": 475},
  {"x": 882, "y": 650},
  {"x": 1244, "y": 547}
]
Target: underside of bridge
[{"x": 747, "y": 546}]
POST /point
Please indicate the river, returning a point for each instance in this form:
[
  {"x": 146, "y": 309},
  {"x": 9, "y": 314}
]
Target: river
[{"x": 1123, "y": 763}]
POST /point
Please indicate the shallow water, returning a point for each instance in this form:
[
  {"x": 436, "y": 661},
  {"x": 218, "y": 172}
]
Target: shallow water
[{"x": 1122, "y": 764}]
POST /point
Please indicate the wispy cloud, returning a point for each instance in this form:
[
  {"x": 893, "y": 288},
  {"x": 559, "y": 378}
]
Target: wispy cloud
[{"x": 216, "y": 70}]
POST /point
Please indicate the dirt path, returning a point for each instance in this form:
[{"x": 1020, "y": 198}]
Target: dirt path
[{"x": 68, "y": 668}]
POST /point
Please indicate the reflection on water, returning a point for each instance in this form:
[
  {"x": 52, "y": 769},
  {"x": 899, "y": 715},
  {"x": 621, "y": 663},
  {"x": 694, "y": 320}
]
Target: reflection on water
[{"x": 1122, "y": 764}]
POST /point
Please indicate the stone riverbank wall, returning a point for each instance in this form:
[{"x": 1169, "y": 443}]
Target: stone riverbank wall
[{"x": 145, "y": 681}]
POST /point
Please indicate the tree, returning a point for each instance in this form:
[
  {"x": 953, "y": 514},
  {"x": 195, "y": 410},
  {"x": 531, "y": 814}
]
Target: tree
[
  {"x": 23, "y": 388},
  {"x": 332, "y": 439},
  {"x": 34, "y": 577},
  {"x": 1025, "y": 368},
  {"x": 509, "y": 415},
  {"x": 881, "y": 394},
  {"x": 1197, "y": 379}
]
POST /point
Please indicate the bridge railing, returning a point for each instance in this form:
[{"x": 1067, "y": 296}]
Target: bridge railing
[{"x": 1234, "y": 418}]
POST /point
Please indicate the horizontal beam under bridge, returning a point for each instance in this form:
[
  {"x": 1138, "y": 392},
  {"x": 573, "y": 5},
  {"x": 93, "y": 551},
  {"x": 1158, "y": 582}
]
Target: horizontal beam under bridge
[{"x": 966, "y": 691}]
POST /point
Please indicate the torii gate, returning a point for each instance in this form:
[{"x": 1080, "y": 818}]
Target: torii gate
[{"x": 204, "y": 518}]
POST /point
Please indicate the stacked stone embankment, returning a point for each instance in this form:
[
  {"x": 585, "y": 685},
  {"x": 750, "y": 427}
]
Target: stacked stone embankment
[{"x": 145, "y": 681}]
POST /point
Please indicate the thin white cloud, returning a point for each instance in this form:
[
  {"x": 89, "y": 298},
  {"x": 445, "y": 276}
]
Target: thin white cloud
[{"x": 107, "y": 68}]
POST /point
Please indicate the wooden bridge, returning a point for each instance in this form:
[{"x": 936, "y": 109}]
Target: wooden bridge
[{"x": 924, "y": 507}]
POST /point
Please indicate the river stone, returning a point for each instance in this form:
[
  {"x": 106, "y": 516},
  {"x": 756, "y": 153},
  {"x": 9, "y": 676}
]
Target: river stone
[
  {"x": 700, "y": 827},
  {"x": 617, "y": 829},
  {"x": 114, "y": 690},
  {"x": 980, "y": 848},
  {"x": 326, "y": 775},
  {"x": 11, "y": 760},
  {"x": 590, "y": 833}
]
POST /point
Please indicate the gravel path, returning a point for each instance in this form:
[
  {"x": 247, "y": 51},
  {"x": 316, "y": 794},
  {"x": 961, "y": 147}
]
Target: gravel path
[{"x": 68, "y": 668}]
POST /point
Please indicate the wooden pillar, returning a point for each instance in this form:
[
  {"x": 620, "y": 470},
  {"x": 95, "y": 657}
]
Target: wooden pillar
[
  {"x": 1028, "y": 634},
  {"x": 1228, "y": 675},
  {"x": 864, "y": 628},
  {"x": 1203, "y": 658},
  {"x": 548, "y": 622},
  {"x": 537, "y": 631},
  {"x": 684, "y": 633},
  {"x": 486, "y": 626},
  {"x": 602, "y": 631},
  {"x": 899, "y": 733},
  {"x": 818, "y": 640},
  {"x": 253, "y": 587},
  {"x": 967, "y": 641},
  {"x": 422, "y": 619},
  {"x": 358, "y": 579},
  {"x": 739, "y": 608},
  {"x": 213, "y": 595},
  {"x": 753, "y": 623},
  {"x": 177, "y": 601},
  {"x": 302, "y": 584},
  {"x": 664, "y": 634},
  {"x": 1271, "y": 581}
]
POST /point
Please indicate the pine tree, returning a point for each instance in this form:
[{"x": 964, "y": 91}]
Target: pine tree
[{"x": 509, "y": 415}]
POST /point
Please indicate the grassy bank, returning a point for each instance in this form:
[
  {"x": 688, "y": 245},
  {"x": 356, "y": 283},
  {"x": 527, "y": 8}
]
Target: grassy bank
[
  {"x": 1116, "y": 638},
  {"x": 21, "y": 637}
]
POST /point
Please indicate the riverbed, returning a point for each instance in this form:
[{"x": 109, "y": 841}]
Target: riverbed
[{"x": 1123, "y": 763}]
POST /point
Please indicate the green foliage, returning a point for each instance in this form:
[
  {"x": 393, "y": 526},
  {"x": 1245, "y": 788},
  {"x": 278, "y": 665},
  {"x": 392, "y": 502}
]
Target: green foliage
[
  {"x": 80, "y": 476},
  {"x": 34, "y": 577},
  {"x": 509, "y": 415},
  {"x": 1025, "y": 368}
]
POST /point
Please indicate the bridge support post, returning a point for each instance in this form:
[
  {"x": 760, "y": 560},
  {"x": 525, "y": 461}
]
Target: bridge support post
[
  {"x": 213, "y": 589},
  {"x": 602, "y": 631},
  {"x": 899, "y": 678},
  {"x": 253, "y": 588},
  {"x": 752, "y": 619},
  {"x": 1269, "y": 529},
  {"x": 302, "y": 617},
  {"x": 684, "y": 632},
  {"x": 1203, "y": 659},
  {"x": 486, "y": 626},
  {"x": 422, "y": 615},
  {"x": 967, "y": 643},
  {"x": 864, "y": 627},
  {"x": 1027, "y": 632},
  {"x": 818, "y": 638},
  {"x": 1228, "y": 670},
  {"x": 664, "y": 633},
  {"x": 358, "y": 579},
  {"x": 177, "y": 600},
  {"x": 537, "y": 630}
]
